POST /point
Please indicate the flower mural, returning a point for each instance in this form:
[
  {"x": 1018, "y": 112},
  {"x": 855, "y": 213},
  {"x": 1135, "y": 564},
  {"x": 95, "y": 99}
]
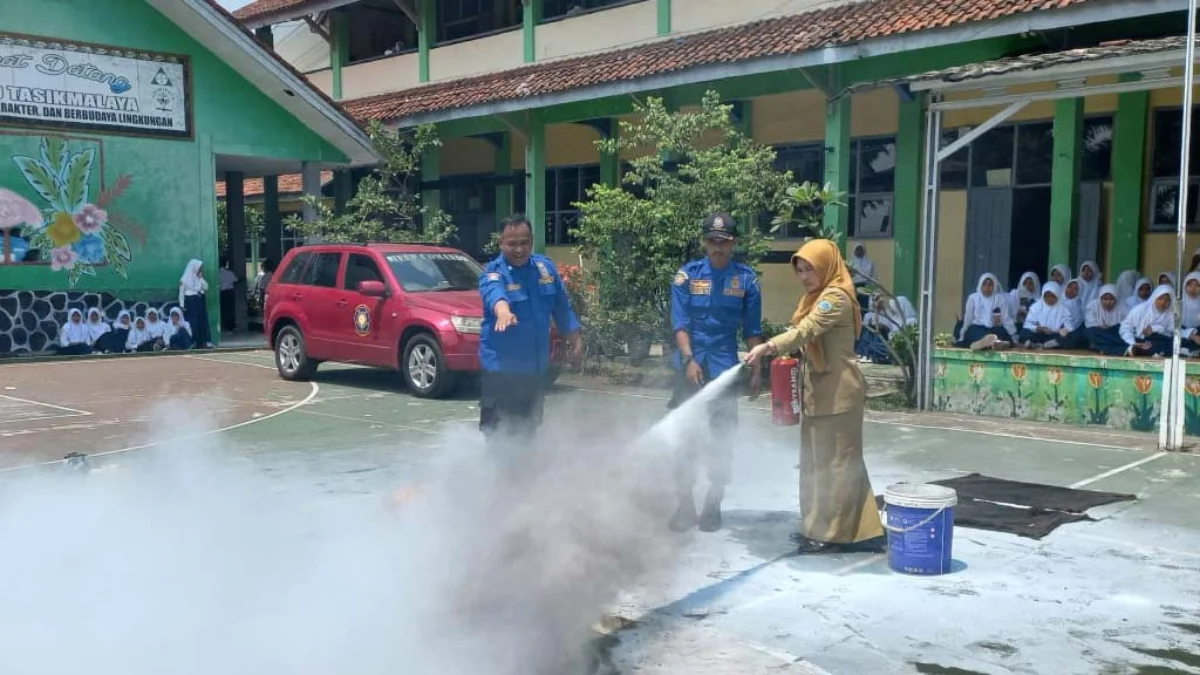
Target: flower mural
[
  {"x": 15, "y": 211},
  {"x": 1018, "y": 399},
  {"x": 1191, "y": 410},
  {"x": 1055, "y": 404},
  {"x": 77, "y": 230},
  {"x": 1145, "y": 417},
  {"x": 1098, "y": 411}
]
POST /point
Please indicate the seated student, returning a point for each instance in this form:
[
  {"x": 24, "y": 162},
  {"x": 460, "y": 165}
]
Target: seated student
[
  {"x": 140, "y": 340},
  {"x": 120, "y": 332},
  {"x": 74, "y": 337},
  {"x": 1072, "y": 298},
  {"x": 1103, "y": 322},
  {"x": 99, "y": 330},
  {"x": 1090, "y": 280},
  {"x": 1125, "y": 284},
  {"x": 987, "y": 322},
  {"x": 156, "y": 327},
  {"x": 1167, "y": 279},
  {"x": 1060, "y": 274},
  {"x": 178, "y": 334},
  {"x": 1025, "y": 294},
  {"x": 1148, "y": 329},
  {"x": 1050, "y": 324},
  {"x": 1141, "y": 293},
  {"x": 884, "y": 319},
  {"x": 1189, "y": 312}
]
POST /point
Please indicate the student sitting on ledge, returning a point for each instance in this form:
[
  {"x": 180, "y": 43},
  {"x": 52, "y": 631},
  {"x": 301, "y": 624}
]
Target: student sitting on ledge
[
  {"x": 1103, "y": 322},
  {"x": 1147, "y": 330},
  {"x": 987, "y": 322},
  {"x": 1073, "y": 299},
  {"x": 1189, "y": 312},
  {"x": 1141, "y": 293},
  {"x": 140, "y": 339},
  {"x": 74, "y": 338},
  {"x": 1051, "y": 324}
]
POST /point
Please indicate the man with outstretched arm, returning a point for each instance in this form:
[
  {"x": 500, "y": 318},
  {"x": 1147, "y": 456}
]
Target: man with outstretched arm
[{"x": 522, "y": 292}]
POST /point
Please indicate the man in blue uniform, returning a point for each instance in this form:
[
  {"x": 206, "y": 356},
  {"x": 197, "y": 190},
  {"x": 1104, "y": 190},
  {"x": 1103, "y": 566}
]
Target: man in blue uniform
[
  {"x": 711, "y": 300},
  {"x": 522, "y": 292}
]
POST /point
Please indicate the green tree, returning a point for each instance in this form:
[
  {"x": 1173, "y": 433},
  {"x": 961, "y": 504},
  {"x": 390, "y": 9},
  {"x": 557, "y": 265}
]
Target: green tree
[
  {"x": 805, "y": 205},
  {"x": 692, "y": 164},
  {"x": 386, "y": 206},
  {"x": 256, "y": 222}
]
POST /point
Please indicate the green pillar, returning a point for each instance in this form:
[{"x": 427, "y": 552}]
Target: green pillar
[
  {"x": 906, "y": 207},
  {"x": 837, "y": 160},
  {"x": 1128, "y": 162},
  {"x": 339, "y": 49},
  {"x": 431, "y": 171},
  {"x": 530, "y": 17},
  {"x": 503, "y": 168},
  {"x": 535, "y": 181},
  {"x": 610, "y": 162},
  {"x": 1064, "y": 185},
  {"x": 664, "y": 17},
  {"x": 426, "y": 36}
]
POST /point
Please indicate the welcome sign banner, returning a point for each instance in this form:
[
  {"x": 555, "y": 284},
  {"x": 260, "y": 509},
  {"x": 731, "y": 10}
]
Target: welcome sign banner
[{"x": 54, "y": 83}]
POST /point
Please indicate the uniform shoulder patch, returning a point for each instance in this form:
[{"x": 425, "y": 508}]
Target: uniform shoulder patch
[
  {"x": 681, "y": 278},
  {"x": 830, "y": 303},
  {"x": 493, "y": 276},
  {"x": 824, "y": 307}
]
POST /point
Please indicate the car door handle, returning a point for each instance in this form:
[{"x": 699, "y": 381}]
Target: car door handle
[{"x": 342, "y": 303}]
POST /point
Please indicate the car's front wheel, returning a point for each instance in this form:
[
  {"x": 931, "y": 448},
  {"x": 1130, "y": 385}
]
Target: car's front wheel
[
  {"x": 291, "y": 357},
  {"x": 424, "y": 368}
]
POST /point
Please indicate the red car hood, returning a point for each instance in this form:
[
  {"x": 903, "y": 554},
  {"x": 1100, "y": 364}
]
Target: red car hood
[{"x": 462, "y": 303}]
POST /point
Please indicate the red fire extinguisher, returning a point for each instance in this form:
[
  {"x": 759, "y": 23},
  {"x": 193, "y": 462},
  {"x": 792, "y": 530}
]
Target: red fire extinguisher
[{"x": 785, "y": 391}]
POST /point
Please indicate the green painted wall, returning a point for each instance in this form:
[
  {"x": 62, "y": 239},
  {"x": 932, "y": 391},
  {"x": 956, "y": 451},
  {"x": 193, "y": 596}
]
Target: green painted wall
[{"x": 167, "y": 211}]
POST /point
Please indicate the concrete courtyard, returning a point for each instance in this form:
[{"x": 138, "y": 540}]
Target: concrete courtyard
[{"x": 1117, "y": 595}]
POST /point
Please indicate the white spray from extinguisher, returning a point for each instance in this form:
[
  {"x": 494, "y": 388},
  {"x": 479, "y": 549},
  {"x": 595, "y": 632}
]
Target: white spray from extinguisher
[{"x": 667, "y": 431}]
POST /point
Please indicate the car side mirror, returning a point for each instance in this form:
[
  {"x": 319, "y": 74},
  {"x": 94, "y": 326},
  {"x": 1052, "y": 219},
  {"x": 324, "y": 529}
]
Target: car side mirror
[{"x": 372, "y": 289}]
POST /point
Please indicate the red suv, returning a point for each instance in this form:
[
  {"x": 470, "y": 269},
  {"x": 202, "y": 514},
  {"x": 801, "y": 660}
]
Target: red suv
[{"x": 407, "y": 307}]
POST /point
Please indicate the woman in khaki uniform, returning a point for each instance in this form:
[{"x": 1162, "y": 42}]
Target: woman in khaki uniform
[{"x": 837, "y": 504}]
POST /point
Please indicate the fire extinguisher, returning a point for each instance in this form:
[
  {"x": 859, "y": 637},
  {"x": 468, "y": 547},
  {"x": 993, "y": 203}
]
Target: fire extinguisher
[{"x": 785, "y": 391}]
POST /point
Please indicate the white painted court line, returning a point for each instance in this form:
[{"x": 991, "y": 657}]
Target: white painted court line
[
  {"x": 228, "y": 362},
  {"x": 371, "y": 420},
  {"x": 1120, "y": 469},
  {"x": 73, "y": 411},
  {"x": 307, "y": 399}
]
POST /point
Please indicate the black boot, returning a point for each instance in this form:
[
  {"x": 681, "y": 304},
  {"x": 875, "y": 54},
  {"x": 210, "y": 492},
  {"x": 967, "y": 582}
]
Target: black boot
[
  {"x": 710, "y": 518},
  {"x": 814, "y": 547},
  {"x": 685, "y": 515}
]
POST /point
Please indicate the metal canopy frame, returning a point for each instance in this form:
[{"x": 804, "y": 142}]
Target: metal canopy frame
[{"x": 1071, "y": 83}]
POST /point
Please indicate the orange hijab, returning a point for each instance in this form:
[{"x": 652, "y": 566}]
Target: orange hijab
[{"x": 826, "y": 259}]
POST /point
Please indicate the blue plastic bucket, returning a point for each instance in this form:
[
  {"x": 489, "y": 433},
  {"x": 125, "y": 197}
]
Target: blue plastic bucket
[{"x": 920, "y": 527}]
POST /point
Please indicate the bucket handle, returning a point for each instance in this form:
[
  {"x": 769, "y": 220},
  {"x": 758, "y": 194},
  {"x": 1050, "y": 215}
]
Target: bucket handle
[{"x": 906, "y": 530}]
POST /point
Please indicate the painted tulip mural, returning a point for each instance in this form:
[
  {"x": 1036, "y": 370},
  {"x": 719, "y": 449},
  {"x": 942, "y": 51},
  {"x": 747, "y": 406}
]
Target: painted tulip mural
[{"x": 75, "y": 228}]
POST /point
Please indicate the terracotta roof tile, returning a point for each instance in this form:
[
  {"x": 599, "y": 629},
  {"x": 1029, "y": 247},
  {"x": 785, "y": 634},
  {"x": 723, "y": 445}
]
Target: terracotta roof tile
[
  {"x": 289, "y": 183},
  {"x": 780, "y": 36},
  {"x": 264, "y": 7}
]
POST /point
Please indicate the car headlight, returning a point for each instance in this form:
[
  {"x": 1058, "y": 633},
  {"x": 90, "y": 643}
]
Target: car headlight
[{"x": 472, "y": 325}]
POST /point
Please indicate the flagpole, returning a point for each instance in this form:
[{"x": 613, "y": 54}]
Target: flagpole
[{"x": 1174, "y": 440}]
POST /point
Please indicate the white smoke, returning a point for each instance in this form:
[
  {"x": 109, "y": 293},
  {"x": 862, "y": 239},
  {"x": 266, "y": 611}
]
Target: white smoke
[{"x": 188, "y": 560}]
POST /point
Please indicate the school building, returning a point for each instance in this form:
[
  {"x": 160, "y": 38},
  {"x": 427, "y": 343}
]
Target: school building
[{"x": 117, "y": 119}]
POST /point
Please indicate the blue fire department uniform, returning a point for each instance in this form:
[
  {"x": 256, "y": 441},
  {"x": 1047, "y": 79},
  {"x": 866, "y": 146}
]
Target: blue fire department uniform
[{"x": 515, "y": 362}]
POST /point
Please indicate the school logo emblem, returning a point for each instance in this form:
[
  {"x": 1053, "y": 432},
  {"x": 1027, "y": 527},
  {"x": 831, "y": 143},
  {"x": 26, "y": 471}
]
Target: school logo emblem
[
  {"x": 718, "y": 223},
  {"x": 681, "y": 278},
  {"x": 362, "y": 320}
]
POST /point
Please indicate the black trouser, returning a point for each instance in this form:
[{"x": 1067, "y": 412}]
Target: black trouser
[
  {"x": 714, "y": 448},
  {"x": 511, "y": 404}
]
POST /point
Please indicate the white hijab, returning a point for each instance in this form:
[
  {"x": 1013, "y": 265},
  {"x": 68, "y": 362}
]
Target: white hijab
[
  {"x": 192, "y": 282},
  {"x": 137, "y": 335},
  {"x": 1125, "y": 284},
  {"x": 96, "y": 328},
  {"x": 1090, "y": 290},
  {"x": 1146, "y": 315},
  {"x": 123, "y": 314},
  {"x": 171, "y": 329},
  {"x": 1190, "y": 307},
  {"x": 1133, "y": 300},
  {"x": 1076, "y": 304},
  {"x": 154, "y": 328},
  {"x": 75, "y": 333},
  {"x": 1169, "y": 275},
  {"x": 1098, "y": 317},
  {"x": 863, "y": 264},
  {"x": 1021, "y": 295},
  {"x": 1055, "y": 317},
  {"x": 1064, "y": 270},
  {"x": 980, "y": 307}
]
